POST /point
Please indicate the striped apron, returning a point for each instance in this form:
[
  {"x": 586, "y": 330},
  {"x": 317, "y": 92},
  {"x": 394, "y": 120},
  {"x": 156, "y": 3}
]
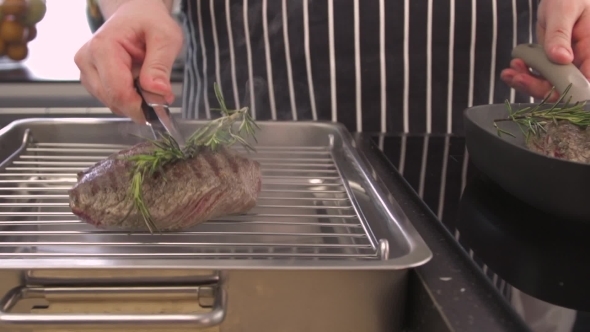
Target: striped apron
[{"x": 374, "y": 65}]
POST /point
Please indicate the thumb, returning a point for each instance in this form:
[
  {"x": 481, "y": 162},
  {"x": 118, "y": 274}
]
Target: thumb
[
  {"x": 161, "y": 52},
  {"x": 558, "y": 32}
]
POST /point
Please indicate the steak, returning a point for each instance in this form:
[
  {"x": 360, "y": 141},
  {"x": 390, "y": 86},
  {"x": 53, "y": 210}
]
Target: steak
[
  {"x": 185, "y": 193},
  {"x": 563, "y": 140}
]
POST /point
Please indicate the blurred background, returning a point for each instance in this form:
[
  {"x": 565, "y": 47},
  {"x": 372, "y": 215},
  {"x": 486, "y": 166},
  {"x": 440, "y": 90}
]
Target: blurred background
[{"x": 38, "y": 76}]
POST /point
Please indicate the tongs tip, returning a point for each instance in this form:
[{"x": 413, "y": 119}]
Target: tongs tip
[{"x": 157, "y": 114}]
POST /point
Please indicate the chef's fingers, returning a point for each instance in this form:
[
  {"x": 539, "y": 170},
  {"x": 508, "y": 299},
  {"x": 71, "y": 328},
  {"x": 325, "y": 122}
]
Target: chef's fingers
[
  {"x": 519, "y": 66},
  {"x": 89, "y": 77},
  {"x": 529, "y": 84},
  {"x": 560, "y": 17},
  {"x": 534, "y": 86},
  {"x": 91, "y": 81},
  {"x": 584, "y": 67},
  {"x": 520, "y": 81},
  {"x": 113, "y": 64},
  {"x": 540, "y": 33},
  {"x": 163, "y": 44}
]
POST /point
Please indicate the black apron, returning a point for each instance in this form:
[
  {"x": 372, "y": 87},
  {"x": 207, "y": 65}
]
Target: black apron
[{"x": 373, "y": 65}]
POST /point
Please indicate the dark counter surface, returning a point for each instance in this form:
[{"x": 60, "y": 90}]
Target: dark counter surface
[
  {"x": 454, "y": 294},
  {"x": 520, "y": 251}
]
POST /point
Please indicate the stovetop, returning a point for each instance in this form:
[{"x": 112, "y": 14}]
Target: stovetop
[{"x": 534, "y": 260}]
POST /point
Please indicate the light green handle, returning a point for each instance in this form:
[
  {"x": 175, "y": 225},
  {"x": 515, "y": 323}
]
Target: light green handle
[{"x": 558, "y": 75}]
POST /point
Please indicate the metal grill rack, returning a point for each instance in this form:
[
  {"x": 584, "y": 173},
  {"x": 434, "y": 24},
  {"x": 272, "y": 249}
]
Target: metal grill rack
[{"x": 304, "y": 212}]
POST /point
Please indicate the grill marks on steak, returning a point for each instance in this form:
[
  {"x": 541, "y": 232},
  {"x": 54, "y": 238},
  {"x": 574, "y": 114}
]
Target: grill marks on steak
[
  {"x": 564, "y": 140},
  {"x": 207, "y": 186}
]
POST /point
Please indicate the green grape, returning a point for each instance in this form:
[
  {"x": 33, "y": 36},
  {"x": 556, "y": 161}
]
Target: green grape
[{"x": 35, "y": 12}]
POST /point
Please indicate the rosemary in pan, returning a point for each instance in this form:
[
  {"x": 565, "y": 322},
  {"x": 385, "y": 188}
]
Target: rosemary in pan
[
  {"x": 533, "y": 120},
  {"x": 216, "y": 133}
]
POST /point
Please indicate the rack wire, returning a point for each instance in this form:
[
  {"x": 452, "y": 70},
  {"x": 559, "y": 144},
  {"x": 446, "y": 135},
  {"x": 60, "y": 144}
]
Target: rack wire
[{"x": 303, "y": 212}]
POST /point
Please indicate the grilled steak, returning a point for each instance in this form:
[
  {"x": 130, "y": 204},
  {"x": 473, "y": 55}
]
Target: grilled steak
[
  {"x": 564, "y": 140},
  {"x": 185, "y": 193}
]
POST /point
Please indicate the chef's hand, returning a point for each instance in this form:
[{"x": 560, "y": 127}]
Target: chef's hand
[
  {"x": 563, "y": 28},
  {"x": 140, "y": 37}
]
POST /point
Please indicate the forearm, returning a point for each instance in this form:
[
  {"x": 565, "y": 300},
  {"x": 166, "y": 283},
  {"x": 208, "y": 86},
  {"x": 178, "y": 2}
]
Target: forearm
[{"x": 109, "y": 7}]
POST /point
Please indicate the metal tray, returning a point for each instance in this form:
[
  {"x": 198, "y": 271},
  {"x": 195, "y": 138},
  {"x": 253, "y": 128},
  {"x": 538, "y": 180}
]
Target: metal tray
[{"x": 319, "y": 207}]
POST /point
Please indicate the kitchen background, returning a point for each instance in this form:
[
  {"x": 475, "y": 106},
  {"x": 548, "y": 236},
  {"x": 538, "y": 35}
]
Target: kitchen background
[{"x": 49, "y": 73}]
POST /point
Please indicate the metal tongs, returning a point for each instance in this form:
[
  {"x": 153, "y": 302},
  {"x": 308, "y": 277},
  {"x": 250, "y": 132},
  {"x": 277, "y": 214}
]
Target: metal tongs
[{"x": 157, "y": 115}]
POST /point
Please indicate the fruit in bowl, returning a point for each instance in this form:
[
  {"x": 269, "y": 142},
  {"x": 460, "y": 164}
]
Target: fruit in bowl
[{"x": 18, "y": 19}]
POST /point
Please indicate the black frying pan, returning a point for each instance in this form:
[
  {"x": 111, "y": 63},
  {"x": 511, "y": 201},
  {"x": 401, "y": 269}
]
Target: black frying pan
[{"x": 555, "y": 186}]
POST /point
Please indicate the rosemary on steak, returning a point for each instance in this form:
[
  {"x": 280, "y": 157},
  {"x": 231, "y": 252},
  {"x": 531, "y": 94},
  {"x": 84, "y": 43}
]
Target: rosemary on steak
[
  {"x": 216, "y": 133},
  {"x": 532, "y": 120}
]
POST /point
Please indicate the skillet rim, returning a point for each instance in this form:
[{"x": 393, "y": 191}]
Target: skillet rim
[{"x": 467, "y": 113}]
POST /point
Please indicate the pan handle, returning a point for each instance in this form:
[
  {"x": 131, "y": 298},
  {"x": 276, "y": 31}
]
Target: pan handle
[
  {"x": 558, "y": 75},
  {"x": 214, "y": 317}
]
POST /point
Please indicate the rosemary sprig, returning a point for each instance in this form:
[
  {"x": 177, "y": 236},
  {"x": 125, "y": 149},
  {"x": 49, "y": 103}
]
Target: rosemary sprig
[
  {"x": 220, "y": 132},
  {"x": 145, "y": 165},
  {"x": 532, "y": 121},
  {"x": 216, "y": 133}
]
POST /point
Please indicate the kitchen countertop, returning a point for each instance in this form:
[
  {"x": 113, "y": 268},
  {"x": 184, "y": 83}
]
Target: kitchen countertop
[
  {"x": 530, "y": 259},
  {"x": 464, "y": 298}
]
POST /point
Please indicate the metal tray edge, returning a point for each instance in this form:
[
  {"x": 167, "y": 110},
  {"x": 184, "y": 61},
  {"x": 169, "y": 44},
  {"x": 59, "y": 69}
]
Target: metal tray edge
[{"x": 418, "y": 255}]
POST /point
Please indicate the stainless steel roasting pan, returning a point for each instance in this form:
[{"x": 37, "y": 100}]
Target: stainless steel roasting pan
[{"x": 325, "y": 249}]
